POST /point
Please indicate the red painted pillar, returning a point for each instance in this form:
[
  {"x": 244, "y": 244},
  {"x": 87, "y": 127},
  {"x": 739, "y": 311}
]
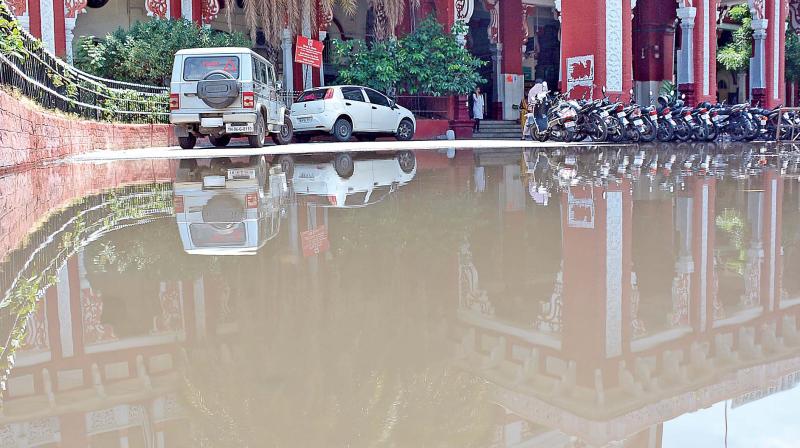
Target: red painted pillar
[
  {"x": 59, "y": 27},
  {"x": 35, "y": 12},
  {"x": 705, "y": 51},
  {"x": 197, "y": 12},
  {"x": 653, "y": 44},
  {"x": 596, "y": 47},
  {"x": 775, "y": 13}
]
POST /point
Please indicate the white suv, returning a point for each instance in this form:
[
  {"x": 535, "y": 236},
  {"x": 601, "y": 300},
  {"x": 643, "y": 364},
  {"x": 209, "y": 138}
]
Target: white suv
[
  {"x": 223, "y": 93},
  {"x": 346, "y": 110}
]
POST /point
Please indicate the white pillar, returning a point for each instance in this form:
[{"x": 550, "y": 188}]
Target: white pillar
[
  {"x": 758, "y": 61},
  {"x": 686, "y": 57},
  {"x": 186, "y": 9},
  {"x": 288, "y": 75},
  {"x": 69, "y": 28},
  {"x": 25, "y": 22},
  {"x": 322, "y": 36},
  {"x": 308, "y": 81},
  {"x": 48, "y": 26}
]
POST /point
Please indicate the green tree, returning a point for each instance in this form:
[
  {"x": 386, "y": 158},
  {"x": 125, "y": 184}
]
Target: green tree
[
  {"x": 735, "y": 56},
  {"x": 427, "y": 61},
  {"x": 144, "y": 53},
  {"x": 11, "y": 42},
  {"x": 792, "y": 55}
]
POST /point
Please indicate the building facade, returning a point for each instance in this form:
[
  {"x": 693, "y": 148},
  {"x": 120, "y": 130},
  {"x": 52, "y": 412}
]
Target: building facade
[{"x": 578, "y": 46}]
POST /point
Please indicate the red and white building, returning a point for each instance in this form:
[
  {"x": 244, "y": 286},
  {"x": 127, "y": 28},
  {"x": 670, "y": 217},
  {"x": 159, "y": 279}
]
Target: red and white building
[{"x": 578, "y": 45}]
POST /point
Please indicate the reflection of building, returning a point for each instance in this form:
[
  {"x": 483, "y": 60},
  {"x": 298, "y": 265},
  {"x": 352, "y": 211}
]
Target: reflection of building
[
  {"x": 78, "y": 382},
  {"x": 632, "y": 335}
]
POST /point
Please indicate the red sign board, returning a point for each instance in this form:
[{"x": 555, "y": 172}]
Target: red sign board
[
  {"x": 308, "y": 51},
  {"x": 315, "y": 241}
]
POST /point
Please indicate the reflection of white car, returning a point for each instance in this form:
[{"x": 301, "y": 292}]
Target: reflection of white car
[
  {"x": 227, "y": 208},
  {"x": 346, "y": 110},
  {"x": 372, "y": 180}
]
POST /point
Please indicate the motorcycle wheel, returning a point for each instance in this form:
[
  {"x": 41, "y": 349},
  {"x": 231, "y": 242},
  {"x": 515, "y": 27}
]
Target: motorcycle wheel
[
  {"x": 683, "y": 132},
  {"x": 666, "y": 132},
  {"x": 599, "y": 129},
  {"x": 712, "y": 134},
  {"x": 751, "y": 128},
  {"x": 738, "y": 131},
  {"x": 650, "y": 130},
  {"x": 700, "y": 133},
  {"x": 538, "y": 136},
  {"x": 633, "y": 134}
]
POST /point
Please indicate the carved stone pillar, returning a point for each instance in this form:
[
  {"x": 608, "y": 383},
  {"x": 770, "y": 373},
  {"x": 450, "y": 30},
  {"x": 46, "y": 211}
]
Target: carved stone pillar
[
  {"x": 686, "y": 57},
  {"x": 758, "y": 86}
]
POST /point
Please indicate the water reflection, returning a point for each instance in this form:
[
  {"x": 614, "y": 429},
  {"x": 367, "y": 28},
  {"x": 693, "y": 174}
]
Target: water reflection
[{"x": 500, "y": 298}]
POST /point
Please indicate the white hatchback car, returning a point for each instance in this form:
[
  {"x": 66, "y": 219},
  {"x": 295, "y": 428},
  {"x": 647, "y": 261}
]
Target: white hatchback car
[{"x": 343, "y": 111}]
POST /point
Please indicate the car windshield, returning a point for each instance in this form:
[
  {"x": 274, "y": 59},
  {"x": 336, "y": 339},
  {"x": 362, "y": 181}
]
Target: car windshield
[
  {"x": 197, "y": 68},
  {"x": 312, "y": 95}
]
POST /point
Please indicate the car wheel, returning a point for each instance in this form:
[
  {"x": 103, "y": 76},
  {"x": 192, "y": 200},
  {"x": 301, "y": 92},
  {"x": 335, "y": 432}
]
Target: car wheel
[
  {"x": 343, "y": 163},
  {"x": 286, "y": 163},
  {"x": 407, "y": 161},
  {"x": 302, "y": 138},
  {"x": 405, "y": 131},
  {"x": 187, "y": 142},
  {"x": 221, "y": 141},
  {"x": 342, "y": 130},
  {"x": 257, "y": 140},
  {"x": 284, "y": 136}
]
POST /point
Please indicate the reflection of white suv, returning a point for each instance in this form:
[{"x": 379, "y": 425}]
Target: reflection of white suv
[
  {"x": 346, "y": 110},
  {"x": 228, "y": 207},
  {"x": 223, "y": 93},
  {"x": 371, "y": 181}
]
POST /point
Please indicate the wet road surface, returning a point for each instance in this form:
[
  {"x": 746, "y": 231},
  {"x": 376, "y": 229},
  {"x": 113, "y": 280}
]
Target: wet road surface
[{"x": 577, "y": 297}]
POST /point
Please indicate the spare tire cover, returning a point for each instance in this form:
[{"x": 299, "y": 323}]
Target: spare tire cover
[
  {"x": 223, "y": 209},
  {"x": 218, "y": 93}
]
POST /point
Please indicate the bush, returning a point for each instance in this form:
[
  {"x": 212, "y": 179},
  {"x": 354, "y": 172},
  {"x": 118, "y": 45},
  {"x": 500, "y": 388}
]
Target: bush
[
  {"x": 144, "y": 53},
  {"x": 11, "y": 42},
  {"x": 427, "y": 61}
]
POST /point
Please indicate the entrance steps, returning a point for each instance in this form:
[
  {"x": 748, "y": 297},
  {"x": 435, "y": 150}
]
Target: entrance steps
[{"x": 499, "y": 130}]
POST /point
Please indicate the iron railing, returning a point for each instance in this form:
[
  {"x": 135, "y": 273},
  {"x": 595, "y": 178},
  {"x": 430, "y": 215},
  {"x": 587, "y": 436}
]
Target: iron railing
[
  {"x": 54, "y": 84},
  {"x": 424, "y": 106}
]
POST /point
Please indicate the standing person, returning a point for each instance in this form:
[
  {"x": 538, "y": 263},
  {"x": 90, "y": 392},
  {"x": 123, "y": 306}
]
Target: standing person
[
  {"x": 523, "y": 110},
  {"x": 477, "y": 109}
]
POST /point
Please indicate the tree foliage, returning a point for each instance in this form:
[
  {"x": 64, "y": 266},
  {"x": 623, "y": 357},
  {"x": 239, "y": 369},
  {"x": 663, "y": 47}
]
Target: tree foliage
[
  {"x": 11, "y": 42},
  {"x": 427, "y": 61},
  {"x": 735, "y": 56},
  {"x": 144, "y": 53},
  {"x": 792, "y": 55}
]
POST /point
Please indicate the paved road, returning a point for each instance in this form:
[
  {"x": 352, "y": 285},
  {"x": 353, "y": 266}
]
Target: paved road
[{"x": 305, "y": 148}]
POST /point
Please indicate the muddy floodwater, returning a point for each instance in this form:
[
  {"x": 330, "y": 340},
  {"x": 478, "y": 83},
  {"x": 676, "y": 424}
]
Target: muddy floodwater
[{"x": 580, "y": 297}]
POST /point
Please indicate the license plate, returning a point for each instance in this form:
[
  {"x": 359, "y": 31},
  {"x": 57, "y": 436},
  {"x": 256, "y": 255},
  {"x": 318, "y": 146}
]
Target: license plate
[
  {"x": 638, "y": 122},
  {"x": 763, "y": 119},
  {"x": 569, "y": 124},
  {"x": 688, "y": 118},
  {"x": 241, "y": 174},
  {"x": 239, "y": 128},
  {"x": 304, "y": 120},
  {"x": 603, "y": 114},
  {"x": 621, "y": 114}
]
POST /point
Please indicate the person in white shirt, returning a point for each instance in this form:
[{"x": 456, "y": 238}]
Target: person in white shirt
[
  {"x": 478, "y": 106},
  {"x": 539, "y": 86}
]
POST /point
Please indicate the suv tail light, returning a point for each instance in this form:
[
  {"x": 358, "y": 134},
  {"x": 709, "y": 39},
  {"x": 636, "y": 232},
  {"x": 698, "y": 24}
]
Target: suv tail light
[
  {"x": 177, "y": 204},
  {"x": 329, "y": 94},
  {"x": 174, "y": 101},
  {"x": 251, "y": 200},
  {"x": 248, "y": 100}
]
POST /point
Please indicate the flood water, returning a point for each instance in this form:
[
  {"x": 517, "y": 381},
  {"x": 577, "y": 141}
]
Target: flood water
[{"x": 611, "y": 296}]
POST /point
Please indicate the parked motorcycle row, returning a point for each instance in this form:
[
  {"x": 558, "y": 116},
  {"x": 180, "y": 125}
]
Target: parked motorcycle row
[{"x": 556, "y": 118}]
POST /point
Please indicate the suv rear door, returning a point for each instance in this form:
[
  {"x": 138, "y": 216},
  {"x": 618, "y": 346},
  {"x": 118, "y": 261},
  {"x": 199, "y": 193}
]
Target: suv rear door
[{"x": 195, "y": 68}]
